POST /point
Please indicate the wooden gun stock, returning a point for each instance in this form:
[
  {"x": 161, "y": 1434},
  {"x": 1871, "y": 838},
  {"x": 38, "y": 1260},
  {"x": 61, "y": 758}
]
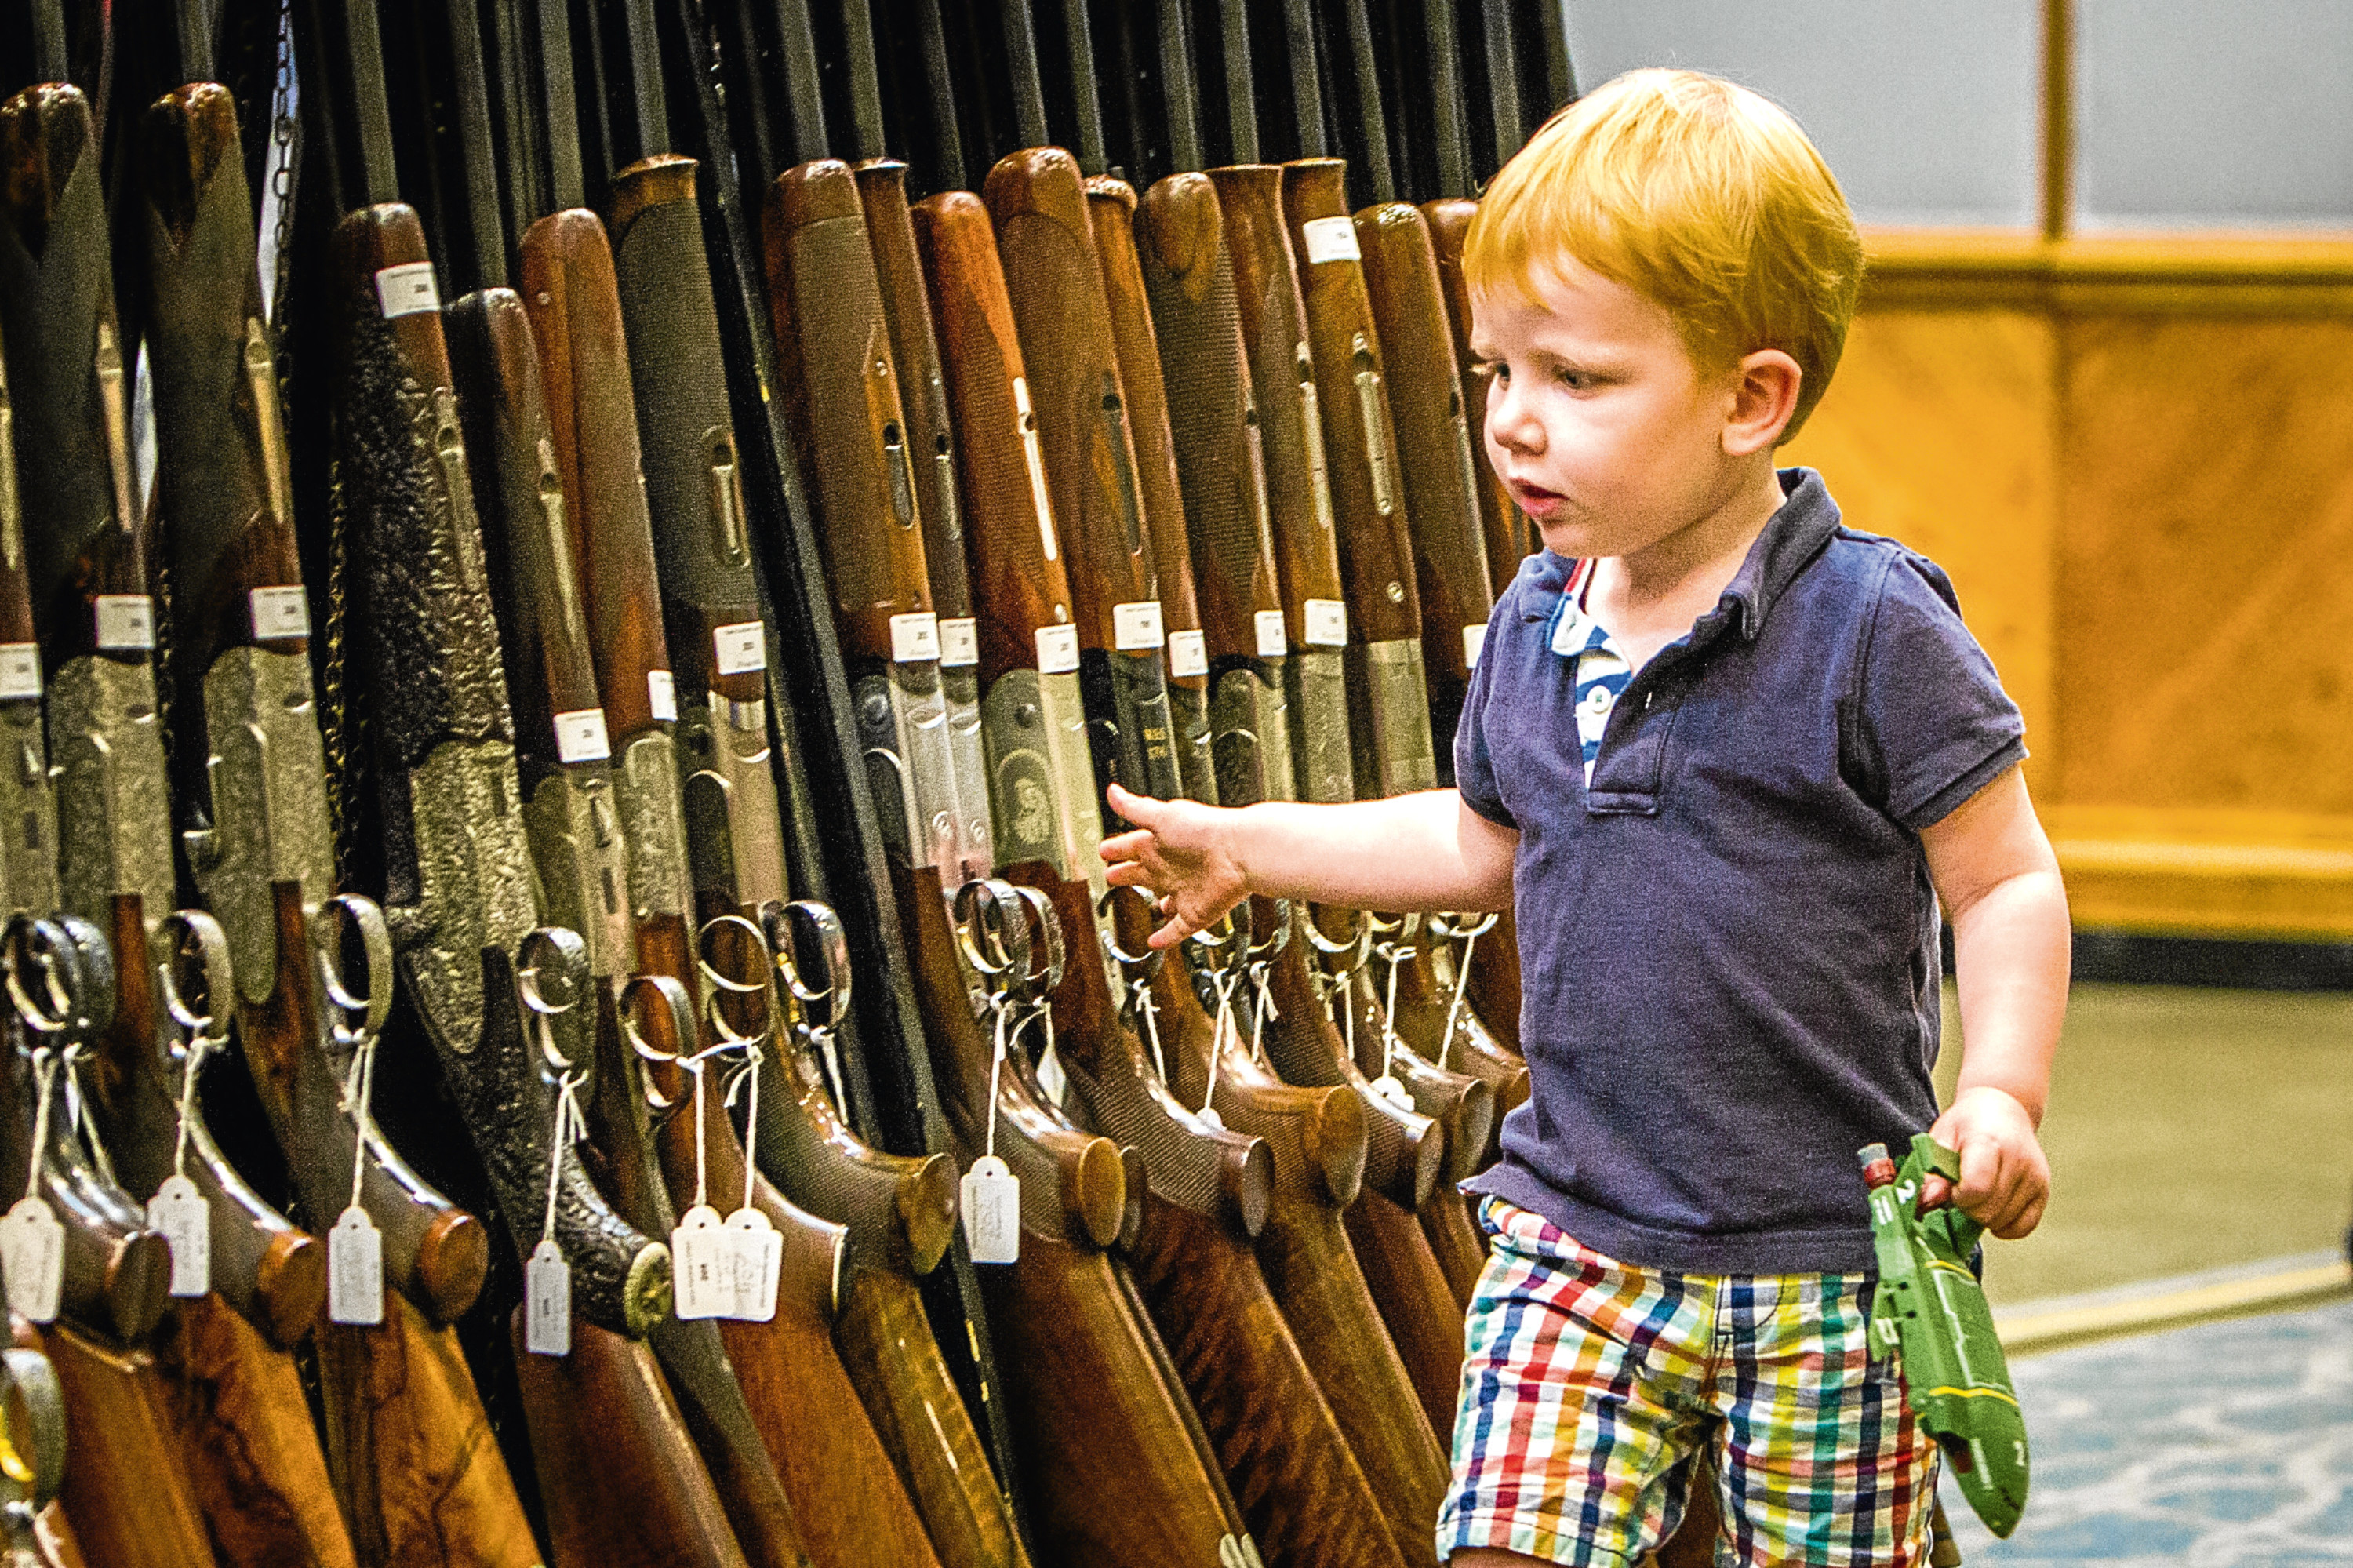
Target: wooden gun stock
[
  {"x": 1501, "y": 524},
  {"x": 125, "y": 1496},
  {"x": 1111, "y": 212},
  {"x": 1425, "y": 395}
]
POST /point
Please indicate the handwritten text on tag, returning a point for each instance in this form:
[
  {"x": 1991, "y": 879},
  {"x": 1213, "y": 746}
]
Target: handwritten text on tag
[
  {"x": 180, "y": 1212},
  {"x": 548, "y": 1301},
  {"x": 992, "y": 1211},
  {"x": 33, "y": 1256},
  {"x": 354, "y": 1270},
  {"x": 701, "y": 1274}
]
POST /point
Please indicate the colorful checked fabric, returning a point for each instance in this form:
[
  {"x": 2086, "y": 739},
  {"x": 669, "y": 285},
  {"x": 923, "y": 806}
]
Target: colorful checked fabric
[
  {"x": 1602, "y": 667},
  {"x": 1589, "y": 1386}
]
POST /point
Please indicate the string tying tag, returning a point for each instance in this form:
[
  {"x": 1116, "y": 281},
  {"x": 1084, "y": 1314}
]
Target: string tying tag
[
  {"x": 1454, "y": 1003},
  {"x": 1148, "y": 1012},
  {"x": 78, "y": 1113},
  {"x": 1262, "y": 1006}
]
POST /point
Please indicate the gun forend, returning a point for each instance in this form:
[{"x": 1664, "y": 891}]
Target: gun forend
[{"x": 1505, "y": 530}]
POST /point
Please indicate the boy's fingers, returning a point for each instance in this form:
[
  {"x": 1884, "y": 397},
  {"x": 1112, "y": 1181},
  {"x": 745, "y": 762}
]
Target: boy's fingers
[
  {"x": 1125, "y": 846},
  {"x": 1980, "y": 1172},
  {"x": 1141, "y": 809}
]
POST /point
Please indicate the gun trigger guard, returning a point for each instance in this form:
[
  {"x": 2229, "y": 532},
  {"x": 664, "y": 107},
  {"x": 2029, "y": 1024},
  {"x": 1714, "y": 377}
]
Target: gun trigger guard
[
  {"x": 673, "y": 996},
  {"x": 191, "y": 934},
  {"x": 31, "y": 940},
  {"x": 1272, "y": 947},
  {"x": 552, "y": 975},
  {"x": 1137, "y": 967},
  {"x": 1038, "y": 980},
  {"x": 979, "y": 909},
  {"x": 724, "y": 1034},
  {"x": 778, "y": 923},
  {"x": 32, "y": 1460},
  {"x": 370, "y": 1010},
  {"x": 94, "y": 1004}
]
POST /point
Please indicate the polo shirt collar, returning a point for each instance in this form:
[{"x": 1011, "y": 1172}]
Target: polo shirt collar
[{"x": 1792, "y": 537}]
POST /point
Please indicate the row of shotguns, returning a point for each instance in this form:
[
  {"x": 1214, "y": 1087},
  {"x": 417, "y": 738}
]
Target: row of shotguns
[{"x": 509, "y": 726}]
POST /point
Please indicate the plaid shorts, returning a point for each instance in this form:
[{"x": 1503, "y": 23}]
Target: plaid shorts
[{"x": 1590, "y": 1386}]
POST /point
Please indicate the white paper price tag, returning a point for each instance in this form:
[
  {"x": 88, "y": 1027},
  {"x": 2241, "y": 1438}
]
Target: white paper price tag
[
  {"x": 1474, "y": 642},
  {"x": 354, "y": 1270},
  {"x": 20, "y": 668},
  {"x": 406, "y": 290},
  {"x": 740, "y": 648},
  {"x": 580, "y": 737},
  {"x": 33, "y": 1256},
  {"x": 1057, "y": 650},
  {"x": 959, "y": 642},
  {"x": 126, "y": 622},
  {"x": 701, "y": 1275},
  {"x": 1330, "y": 239},
  {"x": 662, "y": 693},
  {"x": 914, "y": 636},
  {"x": 1189, "y": 652},
  {"x": 180, "y": 1212},
  {"x": 992, "y": 1211},
  {"x": 1324, "y": 623},
  {"x": 757, "y": 1255},
  {"x": 283, "y": 611},
  {"x": 1393, "y": 1090},
  {"x": 1272, "y": 641},
  {"x": 1134, "y": 628},
  {"x": 548, "y": 1301}
]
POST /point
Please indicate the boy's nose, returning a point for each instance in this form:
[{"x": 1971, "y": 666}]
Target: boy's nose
[{"x": 1509, "y": 424}]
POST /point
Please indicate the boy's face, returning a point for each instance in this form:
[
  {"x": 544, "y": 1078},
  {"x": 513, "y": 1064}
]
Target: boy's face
[{"x": 1608, "y": 435}]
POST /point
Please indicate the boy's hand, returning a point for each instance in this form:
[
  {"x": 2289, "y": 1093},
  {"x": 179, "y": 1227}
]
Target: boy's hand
[
  {"x": 1179, "y": 850},
  {"x": 2005, "y": 1178}
]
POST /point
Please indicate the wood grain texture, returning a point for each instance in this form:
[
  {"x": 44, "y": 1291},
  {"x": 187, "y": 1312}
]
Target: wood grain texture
[
  {"x": 126, "y": 1495},
  {"x": 244, "y": 1432}
]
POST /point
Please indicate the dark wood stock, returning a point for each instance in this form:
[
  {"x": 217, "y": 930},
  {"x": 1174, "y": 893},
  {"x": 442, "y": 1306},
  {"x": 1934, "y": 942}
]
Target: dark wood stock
[
  {"x": 1360, "y": 442},
  {"x": 1020, "y": 577},
  {"x": 923, "y": 385},
  {"x": 1500, "y": 523},
  {"x": 574, "y": 305},
  {"x": 839, "y": 389},
  {"x": 83, "y": 536},
  {"x": 1495, "y": 986},
  {"x": 1213, "y": 417},
  {"x": 125, "y": 1496},
  {"x": 1055, "y": 282},
  {"x": 1425, "y": 395},
  {"x": 1455, "y": 1242},
  {"x": 1422, "y": 1005},
  {"x": 692, "y": 470},
  {"x": 434, "y": 1253},
  {"x": 1274, "y": 333},
  {"x": 616, "y": 1468},
  {"x": 254, "y": 1463},
  {"x": 1318, "y": 1139},
  {"x": 414, "y": 1460},
  {"x": 845, "y": 1497},
  {"x": 1417, "y": 1303}
]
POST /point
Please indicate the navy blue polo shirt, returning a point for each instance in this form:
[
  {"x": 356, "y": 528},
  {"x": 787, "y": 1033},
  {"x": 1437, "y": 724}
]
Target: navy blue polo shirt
[{"x": 1728, "y": 943}]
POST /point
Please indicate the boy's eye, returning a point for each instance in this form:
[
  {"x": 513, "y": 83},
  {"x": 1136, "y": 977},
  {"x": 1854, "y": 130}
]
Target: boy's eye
[{"x": 1492, "y": 369}]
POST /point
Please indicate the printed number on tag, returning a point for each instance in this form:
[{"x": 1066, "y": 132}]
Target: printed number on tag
[
  {"x": 354, "y": 1270},
  {"x": 1136, "y": 628},
  {"x": 278, "y": 612},
  {"x": 700, "y": 1278},
  {"x": 407, "y": 290},
  {"x": 33, "y": 1256},
  {"x": 1272, "y": 641},
  {"x": 992, "y": 1211},
  {"x": 1474, "y": 641},
  {"x": 125, "y": 621},
  {"x": 756, "y": 1253},
  {"x": 914, "y": 636},
  {"x": 180, "y": 1212},
  {"x": 1189, "y": 652},
  {"x": 959, "y": 642},
  {"x": 580, "y": 737},
  {"x": 547, "y": 1298},
  {"x": 662, "y": 693},
  {"x": 1330, "y": 239},
  {"x": 20, "y": 668},
  {"x": 1324, "y": 623},
  {"x": 1057, "y": 650},
  {"x": 740, "y": 648}
]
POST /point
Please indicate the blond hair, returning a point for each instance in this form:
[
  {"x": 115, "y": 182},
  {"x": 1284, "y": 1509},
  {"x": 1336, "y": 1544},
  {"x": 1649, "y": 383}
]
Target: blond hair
[{"x": 1702, "y": 197}]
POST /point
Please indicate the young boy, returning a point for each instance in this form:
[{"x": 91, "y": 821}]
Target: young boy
[{"x": 1727, "y": 760}]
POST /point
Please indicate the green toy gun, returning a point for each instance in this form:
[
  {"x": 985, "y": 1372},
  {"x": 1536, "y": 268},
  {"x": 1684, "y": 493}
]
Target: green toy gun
[{"x": 1930, "y": 1312}]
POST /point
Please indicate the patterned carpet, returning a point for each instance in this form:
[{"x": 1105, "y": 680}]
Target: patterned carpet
[{"x": 2224, "y": 1446}]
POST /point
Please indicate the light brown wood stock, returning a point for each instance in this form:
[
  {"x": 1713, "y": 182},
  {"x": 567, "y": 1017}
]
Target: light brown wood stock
[
  {"x": 125, "y": 1496},
  {"x": 568, "y": 289},
  {"x": 840, "y": 395},
  {"x": 414, "y": 1460},
  {"x": 618, "y": 1476},
  {"x": 1047, "y": 247},
  {"x": 1213, "y": 418},
  {"x": 1495, "y": 986},
  {"x": 1359, "y": 440},
  {"x": 1501, "y": 524},
  {"x": 1417, "y": 1303},
  {"x": 1425, "y": 397},
  {"x": 1282, "y": 373},
  {"x": 922, "y": 386},
  {"x": 1019, "y": 576}
]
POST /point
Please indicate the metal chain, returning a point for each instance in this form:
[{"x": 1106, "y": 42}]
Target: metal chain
[
  {"x": 337, "y": 726},
  {"x": 281, "y": 179}
]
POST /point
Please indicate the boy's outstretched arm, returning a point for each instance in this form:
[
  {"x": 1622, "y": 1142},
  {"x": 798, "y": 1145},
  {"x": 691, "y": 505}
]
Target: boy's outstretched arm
[
  {"x": 1999, "y": 885},
  {"x": 1424, "y": 851}
]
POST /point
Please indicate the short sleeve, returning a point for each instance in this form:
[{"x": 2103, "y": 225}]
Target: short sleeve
[
  {"x": 1474, "y": 769},
  {"x": 1933, "y": 723}
]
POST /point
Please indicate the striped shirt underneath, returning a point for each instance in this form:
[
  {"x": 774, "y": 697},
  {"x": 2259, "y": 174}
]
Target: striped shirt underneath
[{"x": 1602, "y": 667}]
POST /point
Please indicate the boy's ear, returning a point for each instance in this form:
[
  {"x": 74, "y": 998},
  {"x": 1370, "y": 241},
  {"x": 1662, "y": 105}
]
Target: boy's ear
[{"x": 1765, "y": 397}]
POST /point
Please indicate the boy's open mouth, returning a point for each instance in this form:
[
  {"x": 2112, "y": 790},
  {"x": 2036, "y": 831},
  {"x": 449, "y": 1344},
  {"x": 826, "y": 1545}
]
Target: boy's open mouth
[{"x": 1533, "y": 499}]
